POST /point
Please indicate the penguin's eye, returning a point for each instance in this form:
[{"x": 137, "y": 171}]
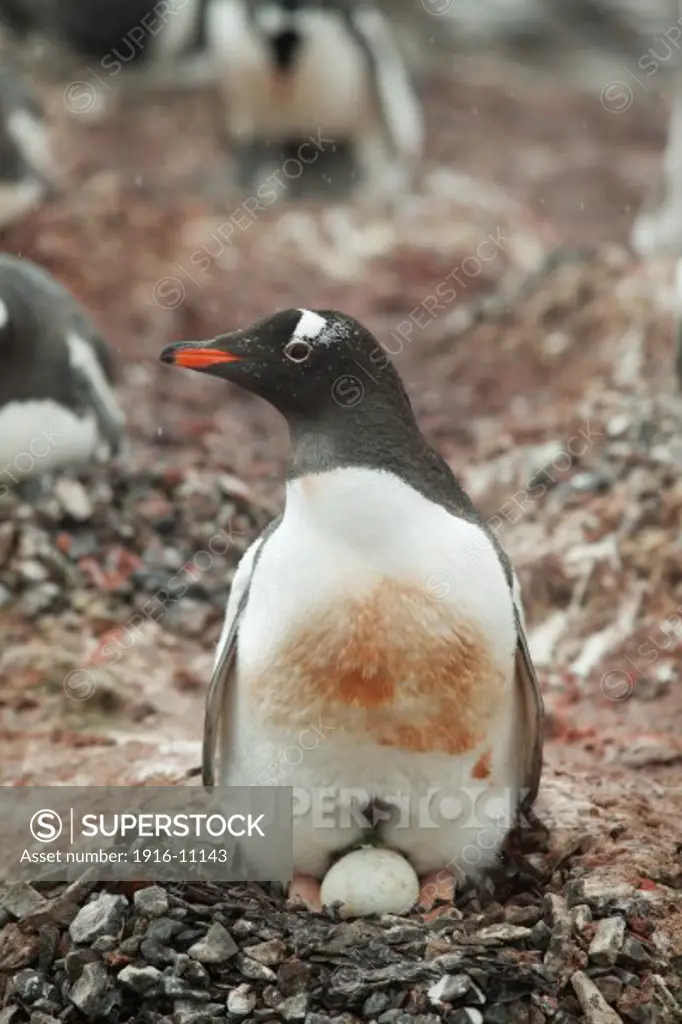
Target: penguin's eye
[{"x": 297, "y": 351}]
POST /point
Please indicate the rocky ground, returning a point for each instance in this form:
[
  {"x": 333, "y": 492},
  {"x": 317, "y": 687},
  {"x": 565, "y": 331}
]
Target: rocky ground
[{"x": 552, "y": 396}]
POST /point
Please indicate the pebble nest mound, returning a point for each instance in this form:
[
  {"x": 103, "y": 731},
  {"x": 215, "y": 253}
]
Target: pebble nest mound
[
  {"x": 530, "y": 948},
  {"x": 547, "y": 383}
]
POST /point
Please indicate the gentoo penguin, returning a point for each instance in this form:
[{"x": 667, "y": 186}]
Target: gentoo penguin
[
  {"x": 374, "y": 632},
  {"x": 27, "y": 165},
  {"x": 57, "y": 406},
  {"x": 120, "y": 35},
  {"x": 318, "y": 74}
]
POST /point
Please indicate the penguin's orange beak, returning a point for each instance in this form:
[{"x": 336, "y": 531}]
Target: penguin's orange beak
[{"x": 196, "y": 356}]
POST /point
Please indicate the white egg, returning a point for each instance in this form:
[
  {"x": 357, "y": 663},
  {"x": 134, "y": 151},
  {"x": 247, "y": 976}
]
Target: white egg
[{"x": 371, "y": 880}]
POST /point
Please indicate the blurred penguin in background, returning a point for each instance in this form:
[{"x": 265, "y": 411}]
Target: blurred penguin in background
[
  {"x": 164, "y": 40},
  {"x": 28, "y": 172},
  {"x": 315, "y": 79},
  {"x": 57, "y": 404}
]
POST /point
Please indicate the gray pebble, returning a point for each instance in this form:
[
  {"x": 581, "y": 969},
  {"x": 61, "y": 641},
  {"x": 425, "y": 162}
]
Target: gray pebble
[
  {"x": 48, "y": 944},
  {"x": 556, "y": 909},
  {"x": 252, "y": 969},
  {"x": 32, "y": 571},
  {"x": 187, "y": 617},
  {"x": 600, "y": 897},
  {"x": 104, "y": 916},
  {"x": 187, "y": 968},
  {"x": 216, "y": 947},
  {"x": 594, "y": 1006},
  {"x": 450, "y": 988},
  {"x": 164, "y": 930},
  {"x": 581, "y": 916},
  {"x": 268, "y": 953},
  {"x": 501, "y": 933},
  {"x": 375, "y": 1004},
  {"x": 244, "y": 929},
  {"x": 295, "y": 1007},
  {"x": 272, "y": 996},
  {"x": 635, "y": 951},
  {"x": 178, "y": 988},
  {"x": 31, "y": 985},
  {"x": 75, "y": 961},
  {"x": 20, "y": 899},
  {"x": 241, "y": 1001},
  {"x": 156, "y": 954},
  {"x": 88, "y": 993},
  {"x": 38, "y": 599},
  {"x": 152, "y": 902},
  {"x": 142, "y": 980},
  {"x": 607, "y": 941},
  {"x": 540, "y": 936},
  {"x": 105, "y": 944},
  {"x": 130, "y": 947}
]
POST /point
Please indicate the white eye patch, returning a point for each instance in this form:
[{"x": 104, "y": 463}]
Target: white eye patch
[{"x": 311, "y": 325}]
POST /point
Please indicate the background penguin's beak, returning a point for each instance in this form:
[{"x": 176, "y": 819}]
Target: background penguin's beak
[{"x": 197, "y": 355}]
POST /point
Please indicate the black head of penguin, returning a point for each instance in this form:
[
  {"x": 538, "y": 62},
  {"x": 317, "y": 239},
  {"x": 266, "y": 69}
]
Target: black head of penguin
[
  {"x": 285, "y": 48},
  {"x": 339, "y": 391},
  {"x": 305, "y": 363},
  {"x": 278, "y": 23}
]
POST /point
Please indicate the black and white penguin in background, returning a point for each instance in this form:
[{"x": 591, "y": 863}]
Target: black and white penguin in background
[
  {"x": 162, "y": 39},
  {"x": 310, "y": 77},
  {"x": 57, "y": 404},
  {"x": 28, "y": 173}
]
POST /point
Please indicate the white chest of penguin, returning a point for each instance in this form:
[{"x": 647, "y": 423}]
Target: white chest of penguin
[
  {"x": 378, "y": 623},
  {"x": 328, "y": 90},
  {"x": 39, "y": 435}
]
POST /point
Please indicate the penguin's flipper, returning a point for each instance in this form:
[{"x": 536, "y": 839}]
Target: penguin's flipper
[
  {"x": 531, "y": 716},
  {"x": 402, "y": 115},
  {"x": 218, "y": 692},
  {"x": 93, "y": 389},
  {"x": 221, "y": 693}
]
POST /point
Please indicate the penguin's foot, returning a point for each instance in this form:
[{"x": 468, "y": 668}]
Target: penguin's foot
[
  {"x": 436, "y": 887},
  {"x": 306, "y": 890}
]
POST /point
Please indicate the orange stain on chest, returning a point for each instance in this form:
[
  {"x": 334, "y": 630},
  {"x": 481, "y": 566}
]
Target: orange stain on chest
[
  {"x": 481, "y": 769},
  {"x": 394, "y": 667}
]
